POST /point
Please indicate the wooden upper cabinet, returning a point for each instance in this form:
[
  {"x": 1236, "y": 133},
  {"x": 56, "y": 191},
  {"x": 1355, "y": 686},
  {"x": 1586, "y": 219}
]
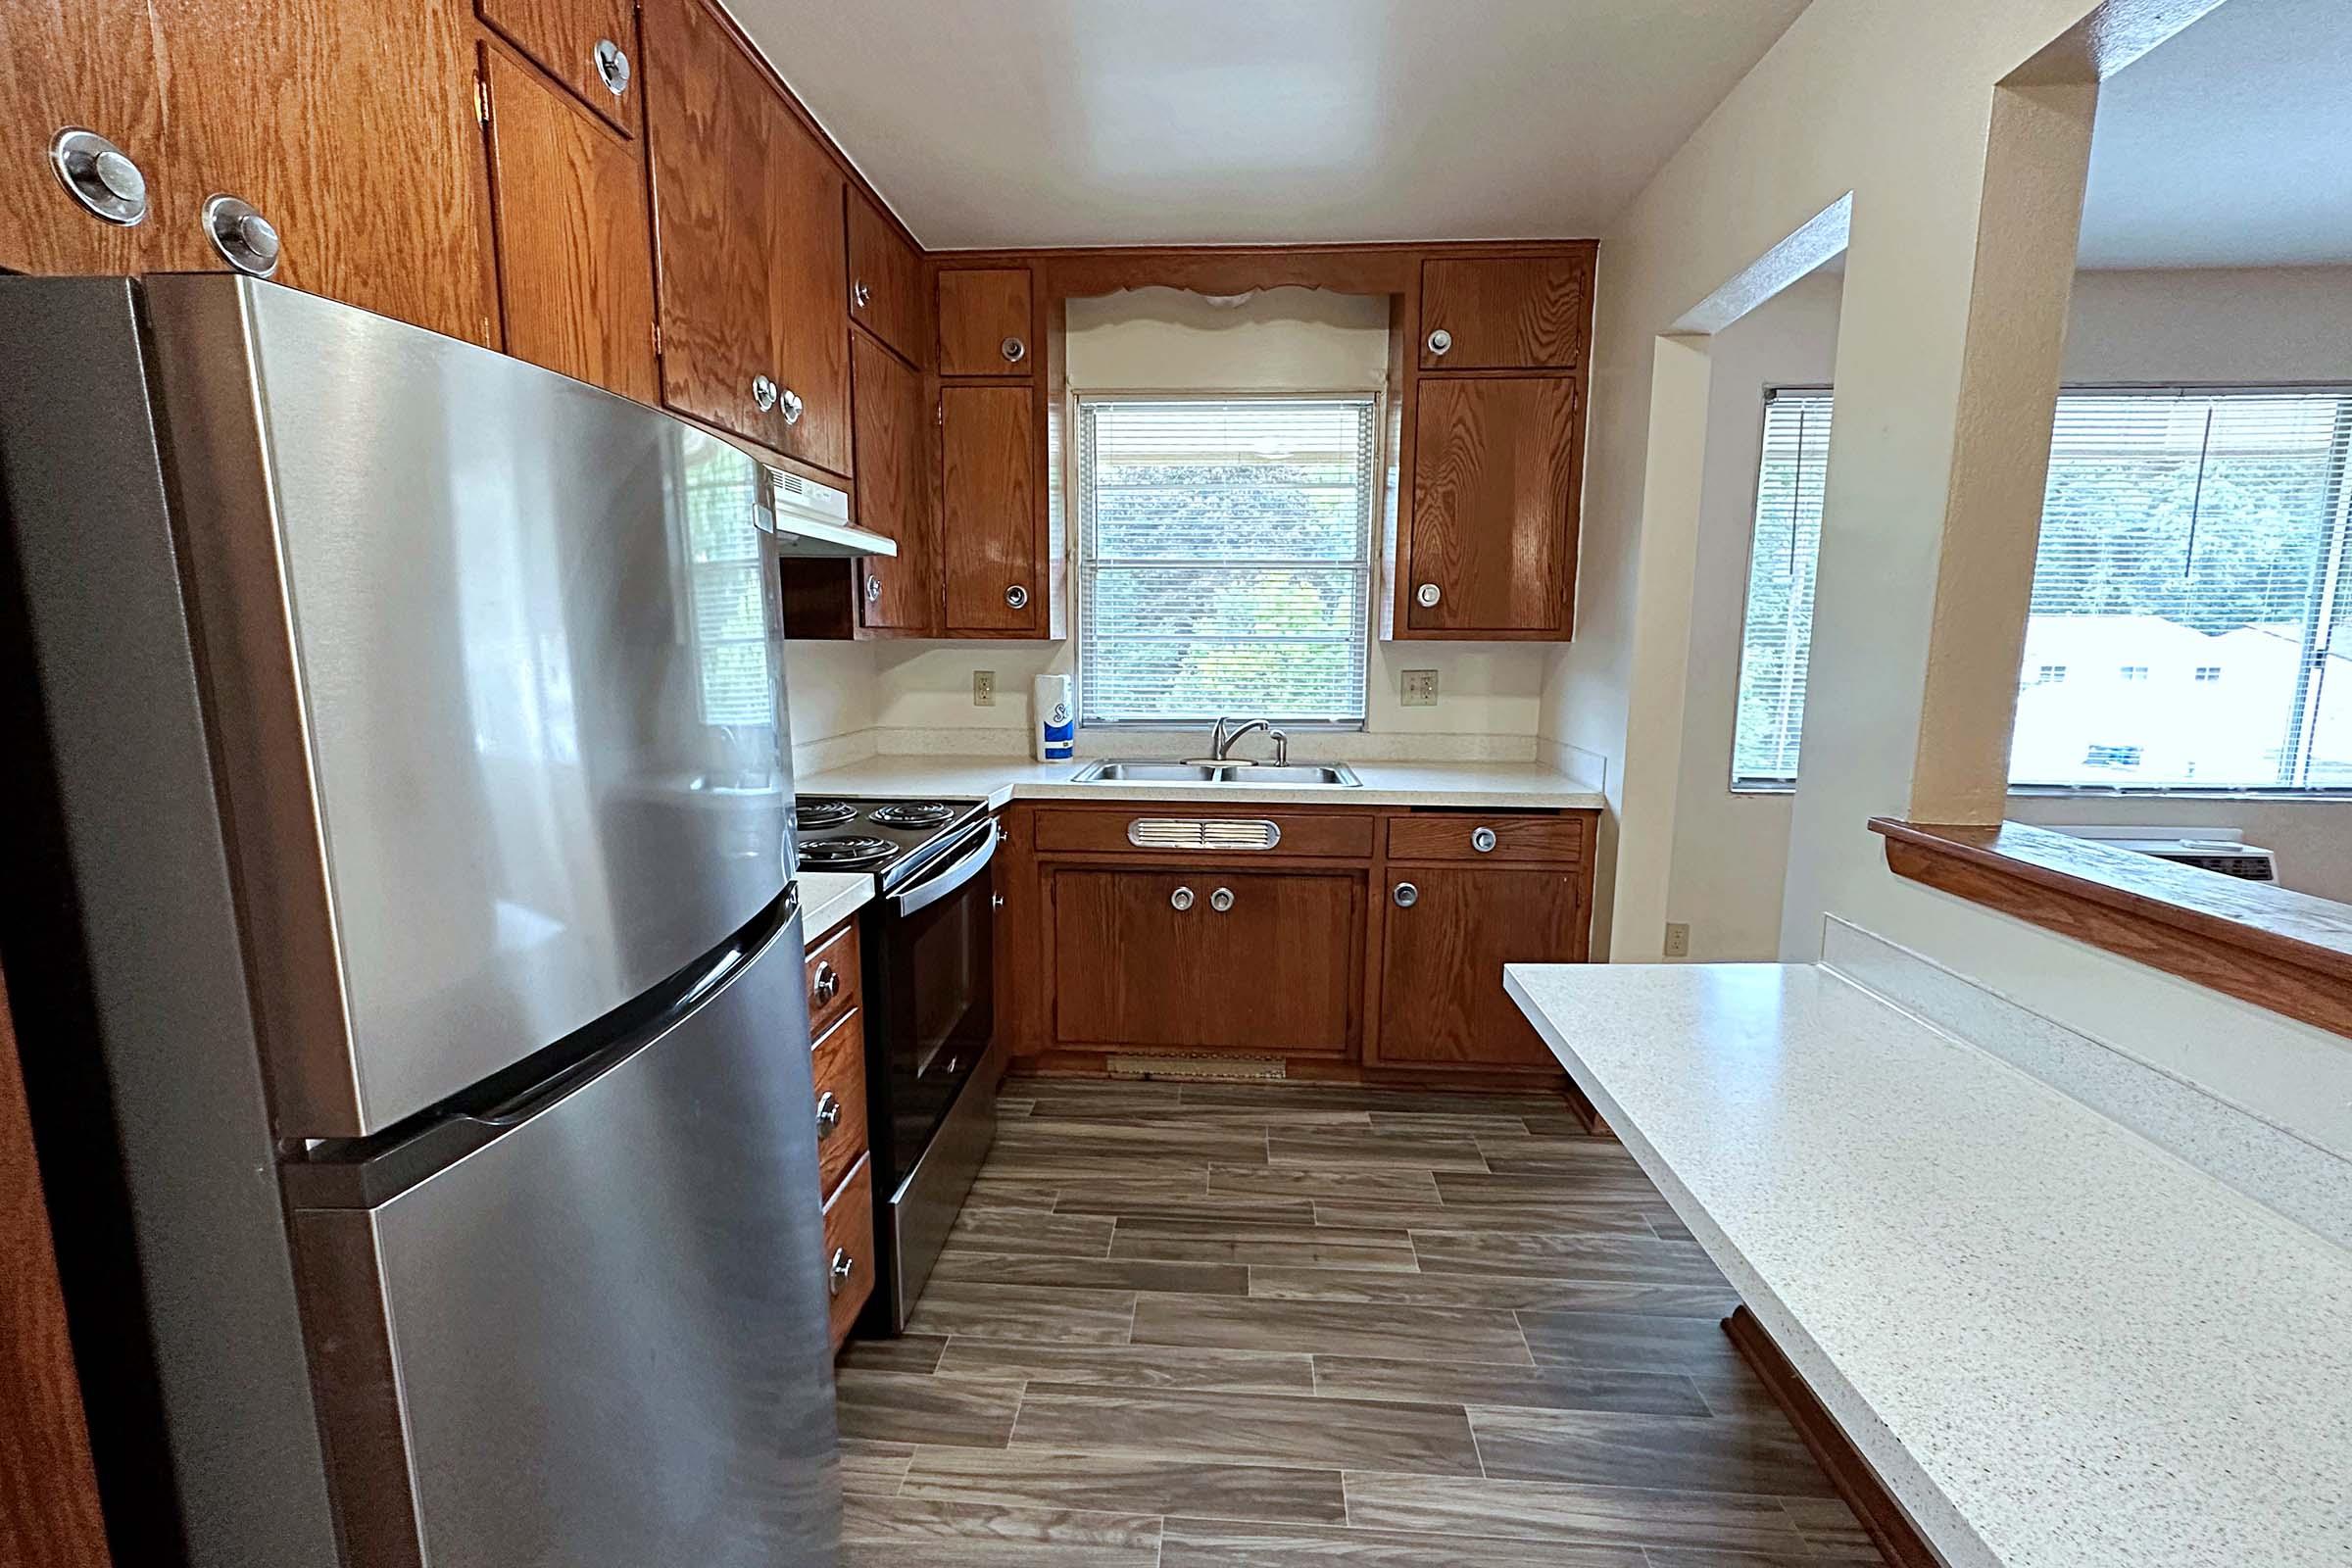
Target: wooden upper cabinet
[
  {"x": 984, "y": 321},
  {"x": 1493, "y": 538},
  {"x": 1506, "y": 312},
  {"x": 588, "y": 45},
  {"x": 806, "y": 278},
  {"x": 575, "y": 257},
  {"x": 885, "y": 279},
  {"x": 989, "y": 537},
  {"x": 897, "y": 593},
  {"x": 96, "y": 65},
  {"x": 709, "y": 122},
  {"x": 1441, "y": 956},
  {"x": 1143, "y": 957}
]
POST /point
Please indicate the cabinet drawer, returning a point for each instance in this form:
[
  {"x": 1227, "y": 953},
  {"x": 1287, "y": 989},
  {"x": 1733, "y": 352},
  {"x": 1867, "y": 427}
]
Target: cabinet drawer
[
  {"x": 886, "y": 280},
  {"x": 1515, "y": 313},
  {"x": 850, "y": 1249},
  {"x": 1153, "y": 829},
  {"x": 832, "y": 979},
  {"x": 839, "y": 1067},
  {"x": 1486, "y": 838}
]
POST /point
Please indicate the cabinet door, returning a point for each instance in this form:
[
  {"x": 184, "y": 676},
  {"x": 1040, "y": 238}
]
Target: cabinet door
[
  {"x": 708, "y": 118},
  {"x": 807, "y": 276},
  {"x": 1494, "y": 527},
  {"x": 988, "y": 511},
  {"x": 1441, "y": 1001},
  {"x": 590, "y": 46},
  {"x": 899, "y": 592},
  {"x": 984, "y": 321},
  {"x": 575, "y": 257},
  {"x": 95, "y": 65},
  {"x": 886, "y": 280},
  {"x": 1506, "y": 314},
  {"x": 1274, "y": 972}
]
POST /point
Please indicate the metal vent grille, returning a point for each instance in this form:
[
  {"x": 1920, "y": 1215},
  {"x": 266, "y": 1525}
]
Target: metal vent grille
[
  {"x": 1196, "y": 1064},
  {"x": 1202, "y": 833}
]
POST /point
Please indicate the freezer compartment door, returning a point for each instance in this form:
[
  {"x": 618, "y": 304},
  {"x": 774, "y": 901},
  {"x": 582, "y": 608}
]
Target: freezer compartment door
[{"x": 597, "y": 1340}]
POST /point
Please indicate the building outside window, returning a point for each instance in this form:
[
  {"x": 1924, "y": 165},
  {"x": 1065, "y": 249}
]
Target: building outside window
[{"x": 1225, "y": 558}]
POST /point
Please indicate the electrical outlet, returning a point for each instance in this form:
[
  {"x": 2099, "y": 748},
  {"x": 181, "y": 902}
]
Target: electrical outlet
[
  {"x": 1678, "y": 939},
  {"x": 1420, "y": 689},
  {"x": 984, "y": 688}
]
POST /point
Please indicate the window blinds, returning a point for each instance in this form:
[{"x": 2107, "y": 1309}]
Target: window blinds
[
  {"x": 2190, "y": 593},
  {"x": 1777, "y": 637},
  {"x": 1224, "y": 559}
]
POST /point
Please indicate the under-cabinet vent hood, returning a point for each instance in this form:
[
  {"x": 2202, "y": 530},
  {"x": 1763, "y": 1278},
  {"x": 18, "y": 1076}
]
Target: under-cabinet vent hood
[{"x": 813, "y": 519}]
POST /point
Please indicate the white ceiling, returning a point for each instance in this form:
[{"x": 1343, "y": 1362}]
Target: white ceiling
[
  {"x": 1027, "y": 122},
  {"x": 2228, "y": 145}
]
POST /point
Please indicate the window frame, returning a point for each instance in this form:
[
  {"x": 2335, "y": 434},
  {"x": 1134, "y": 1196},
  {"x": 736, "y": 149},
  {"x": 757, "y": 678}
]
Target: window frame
[
  {"x": 1081, "y": 537},
  {"x": 1756, "y": 784}
]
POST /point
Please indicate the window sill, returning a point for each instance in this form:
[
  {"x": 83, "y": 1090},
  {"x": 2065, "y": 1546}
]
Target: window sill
[{"x": 2286, "y": 952}]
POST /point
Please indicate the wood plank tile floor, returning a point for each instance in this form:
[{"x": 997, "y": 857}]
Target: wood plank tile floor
[{"x": 1286, "y": 1326}]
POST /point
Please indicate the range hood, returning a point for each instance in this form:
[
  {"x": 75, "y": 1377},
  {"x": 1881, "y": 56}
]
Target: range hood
[{"x": 812, "y": 521}]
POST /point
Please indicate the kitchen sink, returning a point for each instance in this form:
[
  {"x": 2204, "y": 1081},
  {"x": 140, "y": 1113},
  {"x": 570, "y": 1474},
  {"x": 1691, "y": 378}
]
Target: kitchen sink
[{"x": 1329, "y": 775}]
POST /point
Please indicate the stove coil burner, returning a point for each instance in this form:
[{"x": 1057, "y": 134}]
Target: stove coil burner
[
  {"x": 848, "y": 851},
  {"x": 823, "y": 813},
  {"x": 914, "y": 813}
]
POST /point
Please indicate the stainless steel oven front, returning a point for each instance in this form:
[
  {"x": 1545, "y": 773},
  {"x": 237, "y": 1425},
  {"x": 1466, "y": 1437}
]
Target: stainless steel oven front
[{"x": 930, "y": 1080}]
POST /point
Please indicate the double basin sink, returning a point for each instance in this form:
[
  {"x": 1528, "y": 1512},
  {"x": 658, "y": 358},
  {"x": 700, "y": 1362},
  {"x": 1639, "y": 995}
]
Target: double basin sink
[{"x": 1330, "y": 775}]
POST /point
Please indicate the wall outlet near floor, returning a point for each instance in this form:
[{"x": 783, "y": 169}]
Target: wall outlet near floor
[
  {"x": 1678, "y": 939},
  {"x": 1420, "y": 689},
  {"x": 984, "y": 688}
]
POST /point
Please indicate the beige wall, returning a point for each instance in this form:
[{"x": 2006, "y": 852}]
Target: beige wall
[
  {"x": 1489, "y": 697},
  {"x": 1891, "y": 103},
  {"x": 1731, "y": 851}
]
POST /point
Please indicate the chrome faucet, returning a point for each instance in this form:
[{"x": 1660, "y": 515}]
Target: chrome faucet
[{"x": 1221, "y": 742}]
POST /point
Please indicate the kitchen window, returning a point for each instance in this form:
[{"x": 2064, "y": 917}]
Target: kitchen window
[
  {"x": 1225, "y": 558},
  {"x": 2184, "y": 529}
]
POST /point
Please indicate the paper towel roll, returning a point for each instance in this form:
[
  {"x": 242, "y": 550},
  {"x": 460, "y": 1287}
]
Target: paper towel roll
[{"x": 1051, "y": 720}]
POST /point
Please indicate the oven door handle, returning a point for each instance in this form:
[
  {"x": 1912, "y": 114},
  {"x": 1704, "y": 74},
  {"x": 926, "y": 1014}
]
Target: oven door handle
[{"x": 951, "y": 875}]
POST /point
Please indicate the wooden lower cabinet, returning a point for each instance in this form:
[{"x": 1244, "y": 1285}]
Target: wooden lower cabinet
[
  {"x": 1144, "y": 957},
  {"x": 850, "y": 1249},
  {"x": 1441, "y": 956}
]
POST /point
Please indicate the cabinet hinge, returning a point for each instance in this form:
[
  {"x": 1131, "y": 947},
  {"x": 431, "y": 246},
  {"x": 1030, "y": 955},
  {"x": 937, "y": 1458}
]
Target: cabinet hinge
[
  {"x": 482, "y": 100},
  {"x": 938, "y": 413},
  {"x": 656, "y": 340}
]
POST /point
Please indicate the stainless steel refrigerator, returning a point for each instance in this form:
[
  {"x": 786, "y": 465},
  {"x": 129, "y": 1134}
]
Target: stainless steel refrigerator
[{"x": 408, "y": 955}]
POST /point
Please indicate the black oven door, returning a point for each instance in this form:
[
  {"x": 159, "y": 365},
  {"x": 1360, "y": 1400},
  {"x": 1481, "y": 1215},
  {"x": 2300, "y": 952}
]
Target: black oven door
[{"x": 935, "y": 1009}]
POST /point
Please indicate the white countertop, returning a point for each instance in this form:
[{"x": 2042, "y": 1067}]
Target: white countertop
[
  {"x": 2056, "y": 1342},
  {"x": 1494, "y": 786},
  {"x": 828, "y": 898}
]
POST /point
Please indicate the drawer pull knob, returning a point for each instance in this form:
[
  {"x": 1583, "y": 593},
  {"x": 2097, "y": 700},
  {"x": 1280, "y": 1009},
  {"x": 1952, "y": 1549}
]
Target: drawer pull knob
[
  {"x": 1181, "y": 899},
  {"x": 827, "y": 984},
  {"x": 1407, "y": 895},
  {"x": 1013, "y": 349},
  {"x": 1441, "y": 342},
  {"x": 828, "y": 1115},
  {"x": 838, "y": 1272},
  {"x": 612, "y": 67},
  {"x": 1483, "y": 840},
  {"x": 1221, "y": 899}
]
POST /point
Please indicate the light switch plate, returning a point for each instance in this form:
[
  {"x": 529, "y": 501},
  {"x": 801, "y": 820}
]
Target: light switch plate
[
  {"x": 1678, "y": 939},
  {"x": 1420, "y": 689},
  {"x": 984, "y": 688}
]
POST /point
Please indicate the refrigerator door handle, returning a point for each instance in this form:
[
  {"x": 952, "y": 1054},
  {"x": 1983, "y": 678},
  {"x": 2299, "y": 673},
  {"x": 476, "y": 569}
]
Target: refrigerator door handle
[{"x": 955, "y": 873}]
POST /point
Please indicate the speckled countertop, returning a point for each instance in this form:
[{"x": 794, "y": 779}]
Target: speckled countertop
[
  {"x": 828, "y": 898},
  {"x": 2057, "y": 1344},
  {"x": 1496, "y": 786}
]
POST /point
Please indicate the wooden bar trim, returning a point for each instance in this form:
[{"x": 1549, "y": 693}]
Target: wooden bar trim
[
  {"x": 1883, "y": 1518},
  {"x": 2288, "y": 952}
]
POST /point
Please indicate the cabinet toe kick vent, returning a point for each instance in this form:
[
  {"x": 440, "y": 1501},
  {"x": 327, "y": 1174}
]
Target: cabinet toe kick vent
[
  {"x": 1215, "y": 1065},
  {"x": 1202, "y": 833}
]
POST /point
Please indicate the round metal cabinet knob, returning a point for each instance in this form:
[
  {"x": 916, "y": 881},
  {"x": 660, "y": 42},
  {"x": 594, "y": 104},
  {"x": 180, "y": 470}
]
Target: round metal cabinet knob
[
  {"x": 99, "y": 175},
  {"x": 1221, "y": 899},
  {"x": 792, "y": 406},
  {"x": 838, "y": 1272},
  {"x": 827, "y": 984},
  {"x": 1441, "y": 342},
  {"x": 613, "y": 65},
  {"x": 763, "y": 393},
  {"x": 1013, "y": 349},
  {"x": 246, "y": 239},
  {"x": 1483, "y": 840},
  {"x": 1407, "y": 895},
  {"x": 828, "y": 1115},
  {"x": 873, "y": 588},
  {"x": 1428, "y": 594},
  {"x": 1181, "y": 899},
  {"x": 860, "y": 295},
  {"x": 1017, "y": 597}
]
